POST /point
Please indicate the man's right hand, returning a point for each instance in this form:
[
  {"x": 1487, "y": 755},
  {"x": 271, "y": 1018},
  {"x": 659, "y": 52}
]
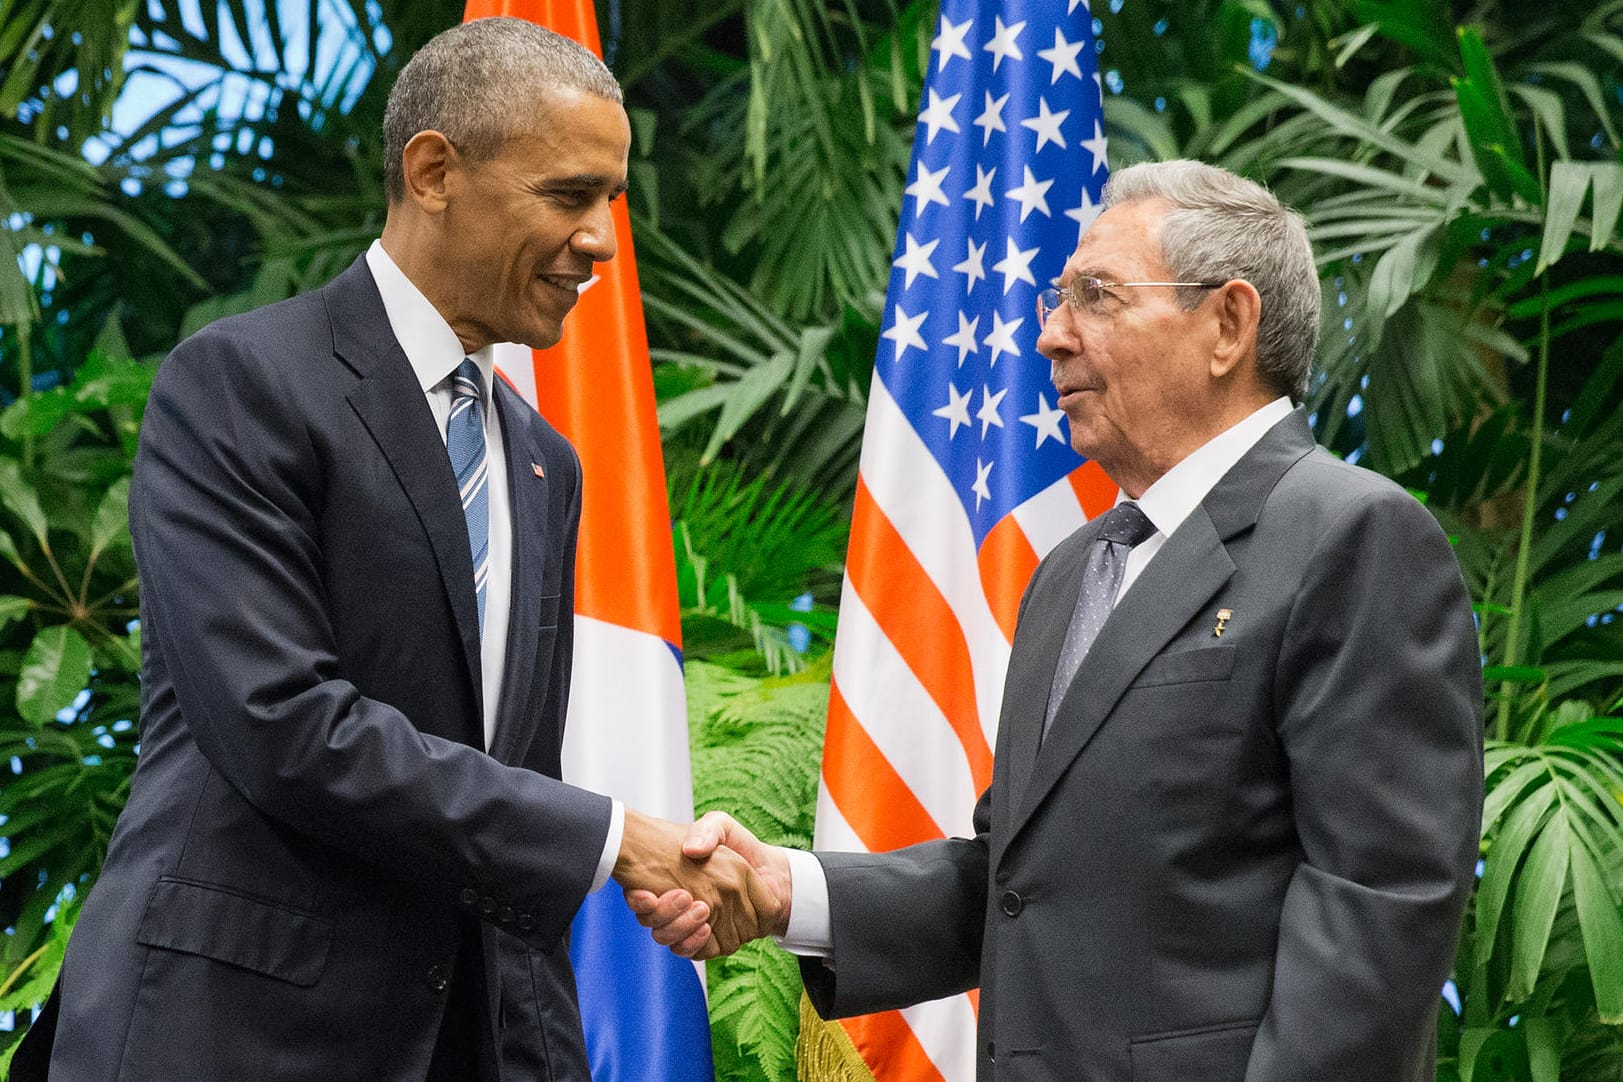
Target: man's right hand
[
  {"x": 670, "y": 915},
  {"x": 702, "y": 900}
]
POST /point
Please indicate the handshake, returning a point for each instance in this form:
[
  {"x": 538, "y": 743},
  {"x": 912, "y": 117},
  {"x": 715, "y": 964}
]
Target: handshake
[{"x": 706, "y": 889}]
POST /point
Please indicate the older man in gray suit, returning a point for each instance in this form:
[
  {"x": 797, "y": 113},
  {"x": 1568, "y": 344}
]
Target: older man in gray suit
[{"x": 1234, "y": 813}]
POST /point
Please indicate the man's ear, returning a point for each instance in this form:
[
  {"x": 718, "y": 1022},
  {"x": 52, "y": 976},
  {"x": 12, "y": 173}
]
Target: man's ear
[
  {"x": 1239, "y": 308},
  {"x": 427, "y": 161}
]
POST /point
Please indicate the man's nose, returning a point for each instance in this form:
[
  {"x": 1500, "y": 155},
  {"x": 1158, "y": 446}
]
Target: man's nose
[{"x": 596, "y": 235}]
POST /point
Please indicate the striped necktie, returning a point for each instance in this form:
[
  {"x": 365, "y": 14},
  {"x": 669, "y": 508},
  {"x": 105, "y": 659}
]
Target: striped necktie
[{"x": 465, "y": 442}]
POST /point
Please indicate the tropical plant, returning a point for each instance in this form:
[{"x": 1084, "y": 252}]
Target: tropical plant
[
  {"x": 69, "y": 654},
  {"x": 756, "y": 745},
  {"x": 755, "y": 560}
]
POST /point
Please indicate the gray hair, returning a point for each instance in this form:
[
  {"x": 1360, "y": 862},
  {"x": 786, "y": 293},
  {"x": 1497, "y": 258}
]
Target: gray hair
[
  {"x": 478, "y": 83},
  {"x": 1222, "y": 226}
]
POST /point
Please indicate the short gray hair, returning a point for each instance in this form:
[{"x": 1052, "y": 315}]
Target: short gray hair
[
  {"x": 1222, "y": 226},
  {"x": 478, "y": 83}
]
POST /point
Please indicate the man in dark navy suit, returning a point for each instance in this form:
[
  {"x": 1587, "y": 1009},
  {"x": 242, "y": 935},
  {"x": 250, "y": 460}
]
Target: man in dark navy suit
[{"x": 347, "y": 853}]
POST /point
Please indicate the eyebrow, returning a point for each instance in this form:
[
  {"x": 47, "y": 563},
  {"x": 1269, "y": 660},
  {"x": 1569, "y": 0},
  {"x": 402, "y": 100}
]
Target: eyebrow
[{"x": 589, "y": 182}]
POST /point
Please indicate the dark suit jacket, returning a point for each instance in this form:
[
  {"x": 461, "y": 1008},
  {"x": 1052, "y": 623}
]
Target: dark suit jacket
[
  {"x": 1236, "y": 857},
  {"x": 312, "y": 818}
]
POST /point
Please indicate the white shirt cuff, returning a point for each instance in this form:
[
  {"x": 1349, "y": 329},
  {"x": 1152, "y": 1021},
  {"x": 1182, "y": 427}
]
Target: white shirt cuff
[
  {"x": 810, "y": 931},
  {"x": 611, "y": 845}
]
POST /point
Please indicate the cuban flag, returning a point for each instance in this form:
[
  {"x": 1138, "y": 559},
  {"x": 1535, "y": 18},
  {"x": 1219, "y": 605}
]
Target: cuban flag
[
  {"x": 967, "y": 475},
  {"x": 627, "y": 736}
]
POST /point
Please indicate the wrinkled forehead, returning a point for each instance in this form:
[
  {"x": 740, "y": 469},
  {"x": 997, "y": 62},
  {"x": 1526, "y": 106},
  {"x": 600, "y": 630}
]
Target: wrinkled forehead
[{"x": 1123, "y": 244}]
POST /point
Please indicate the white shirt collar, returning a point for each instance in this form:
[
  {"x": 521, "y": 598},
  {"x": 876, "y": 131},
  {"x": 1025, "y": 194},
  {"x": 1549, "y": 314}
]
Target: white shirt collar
[
  {"x": 430, "y": 344},
  {"x": 1181, "y": 489}
]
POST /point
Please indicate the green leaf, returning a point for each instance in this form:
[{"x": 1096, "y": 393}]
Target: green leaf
[
  {"x": 1569, "y": 183},
  {"x": 112, "y": 517},
  {"x": 746, "y": 397},
  {"x": 21, "y": 499},
  {"x": 1495, "y": 127},
  {"x": 55, "y": 670},
  {"x": 1608, "y": 179},
  {"x": 1516, "y": 674},
  {"x": 1538, "y": 894},
  {"x": 1601, "y": 921},
  {"x": 1586, "y": 82},
  {"x": 1504, "y": 858},
  {"x": 1543, "y": 1042},
  {"x": 13, "y": 609}
]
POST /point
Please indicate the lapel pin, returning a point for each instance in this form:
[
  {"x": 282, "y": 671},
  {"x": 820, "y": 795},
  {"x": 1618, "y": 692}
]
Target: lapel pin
[
  {"x": 1223, "y": 618},
  {"x": 539, "y": 472}
]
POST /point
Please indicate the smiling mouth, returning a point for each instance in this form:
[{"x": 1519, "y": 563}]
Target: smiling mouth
[{"x": 569, "y": 283}]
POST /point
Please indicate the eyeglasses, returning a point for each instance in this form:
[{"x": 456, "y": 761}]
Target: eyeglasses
[{"x": 1087, "y": 293}]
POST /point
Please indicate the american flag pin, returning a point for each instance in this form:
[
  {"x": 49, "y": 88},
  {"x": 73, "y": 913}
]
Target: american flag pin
[
  {"x": 539, "y": 472},
  {"x": 1223, "y": 618}
]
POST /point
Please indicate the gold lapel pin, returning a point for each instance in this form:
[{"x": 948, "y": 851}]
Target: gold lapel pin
[{"x": 1223, "y": 618}]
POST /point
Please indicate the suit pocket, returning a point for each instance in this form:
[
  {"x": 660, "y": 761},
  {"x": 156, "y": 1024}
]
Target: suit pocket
[
  {"x": 1188, "y": 667},
  {"x": 214, "y": 922},
  {"x": 549, "y": 610},
  {"x": 1211, "y": 1053}
]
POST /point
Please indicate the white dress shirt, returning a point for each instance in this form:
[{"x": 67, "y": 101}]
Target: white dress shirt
[
  {"x": 1166, "y": 504},
  {"x": 434, "y": 351}
]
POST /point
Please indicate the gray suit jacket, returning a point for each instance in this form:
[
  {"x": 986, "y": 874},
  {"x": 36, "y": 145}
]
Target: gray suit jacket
[
  {"x": 1236, "y": 857},
  {"x": 314, "y": 821}
]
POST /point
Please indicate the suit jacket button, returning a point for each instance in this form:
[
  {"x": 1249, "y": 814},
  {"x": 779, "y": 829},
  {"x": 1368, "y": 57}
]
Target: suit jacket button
[
  {"x": 439, "y": 978},
  {"x": 487, "y": 905},
  {"x": 470, "y": 896},
  {"x": 506, "y": 914},
  {"x": 525, "y": 922},
  {"x": 1011, "y": 903}
]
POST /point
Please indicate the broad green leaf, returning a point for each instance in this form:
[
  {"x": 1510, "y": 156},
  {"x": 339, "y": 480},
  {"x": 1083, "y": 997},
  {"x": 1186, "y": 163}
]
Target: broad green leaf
[
  {"x": 747, "y": 396},
  {"x": 1569, "y": 183},
  {"x": 112, "y": 517},
  {"x": 1547, "y": 107},
  {"x": 1509, "y": 846},
  {"x": 54, "y": 671},
  {"x": 13, "y": 609},
  {"x": 8, "y": 549},
  {"x": 1503, "y": 791},
  {"x": 1494, "y": 125},
  {"x": 1586, "y": 82},
  {"x": 1516, "y": 674},
  {"x": 1601, "y": 921},
  {"x": 1472, "y": 1040},
  {"x": 1538, "y": 894},
  {"x": 1608, "y": 179},
  {"x": 1543, "y": 1042},
  {"x": 21, "y": 499}
]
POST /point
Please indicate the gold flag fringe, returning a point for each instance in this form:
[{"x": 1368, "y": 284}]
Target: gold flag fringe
[{"x": 824, "y": 1052}]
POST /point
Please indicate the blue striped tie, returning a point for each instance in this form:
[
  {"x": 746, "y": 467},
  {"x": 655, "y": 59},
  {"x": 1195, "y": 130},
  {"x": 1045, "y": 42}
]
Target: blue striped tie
[{"x": 465, "y": 441}]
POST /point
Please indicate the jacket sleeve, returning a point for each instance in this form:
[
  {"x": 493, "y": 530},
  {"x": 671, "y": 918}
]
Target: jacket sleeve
[
  {"x": 224, "y": 516},
  {"x": 908, "y": 924},
  {"x": 1378, "y": 696}
]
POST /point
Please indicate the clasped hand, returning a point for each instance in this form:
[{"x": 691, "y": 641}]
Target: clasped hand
[{"x": 705, "y": 890}]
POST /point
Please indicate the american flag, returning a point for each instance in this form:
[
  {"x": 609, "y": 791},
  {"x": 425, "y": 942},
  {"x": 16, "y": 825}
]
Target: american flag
[{"x": 967, "y": 475}]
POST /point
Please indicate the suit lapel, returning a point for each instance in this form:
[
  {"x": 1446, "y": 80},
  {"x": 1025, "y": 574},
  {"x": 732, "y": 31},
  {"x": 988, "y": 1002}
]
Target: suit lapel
[
  {"x": 531, "y": 529},
  {"x": 1039, "y": 639},
  {"x": 391, "y": 405},
  {"x": 1175, "y": 586}
]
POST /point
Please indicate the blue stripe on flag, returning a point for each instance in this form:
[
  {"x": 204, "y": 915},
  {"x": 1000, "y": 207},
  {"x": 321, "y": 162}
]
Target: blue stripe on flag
[{"x": 643, "y": 1007}]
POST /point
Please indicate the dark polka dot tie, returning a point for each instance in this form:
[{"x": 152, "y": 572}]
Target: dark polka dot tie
[{"x": 1124, "y": 526}]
